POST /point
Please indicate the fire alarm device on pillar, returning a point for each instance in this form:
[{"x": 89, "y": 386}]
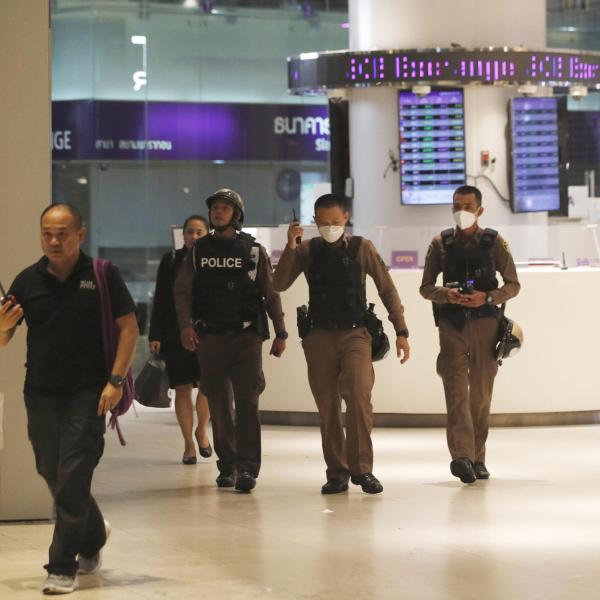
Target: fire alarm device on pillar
[{"x": 485, "y": 158}]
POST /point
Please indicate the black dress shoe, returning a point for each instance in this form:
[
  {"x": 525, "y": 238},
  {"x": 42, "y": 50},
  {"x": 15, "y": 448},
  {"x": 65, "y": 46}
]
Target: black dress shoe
[
  {"x": 368, "y": 482},
  {"x": 463, "y": 469},
  {"x": 334, "y": 486},
  {"x": 206, "y": 452},
  {"x": 245, "y": 482},
  {"x": 189, "y": 460},
  {"x": 481, "y": 471},
  {"x": 225, "y": 480}
]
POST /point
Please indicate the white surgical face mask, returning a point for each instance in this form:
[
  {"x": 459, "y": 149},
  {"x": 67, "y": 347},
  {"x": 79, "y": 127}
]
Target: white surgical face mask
[
  {"x": 331, "y": 233},
  {"x": 465, "y": 219}
]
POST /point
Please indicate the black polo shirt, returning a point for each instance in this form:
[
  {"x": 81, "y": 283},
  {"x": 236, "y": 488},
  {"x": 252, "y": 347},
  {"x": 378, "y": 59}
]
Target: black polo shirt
[{"x": 64, "y": 330}]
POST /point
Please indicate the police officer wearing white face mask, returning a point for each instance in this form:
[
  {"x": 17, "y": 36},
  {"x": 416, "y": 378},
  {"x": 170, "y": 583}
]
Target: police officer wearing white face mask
[
  {"x": 337, "y": 344},
  {"x": 465, "y": 310}
]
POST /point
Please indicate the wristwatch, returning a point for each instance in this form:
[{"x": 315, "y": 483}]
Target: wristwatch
[
  {"x": 116, "y": 380},
  {"x": 402, "y": 333},
  {"x": 489, "y": 299},
  {"x": 282, "y": 335}
]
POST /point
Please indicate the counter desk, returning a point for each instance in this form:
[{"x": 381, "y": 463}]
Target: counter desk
[{"x": 555, "y": 379}]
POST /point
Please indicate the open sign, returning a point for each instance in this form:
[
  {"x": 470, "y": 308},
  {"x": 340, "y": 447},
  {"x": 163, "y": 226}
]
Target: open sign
[{"x": 405, "y": 259}]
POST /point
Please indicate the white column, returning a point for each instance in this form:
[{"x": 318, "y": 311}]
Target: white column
[
  {"x": 25, "y": 160},
  {"x": 387, "y": 24},
  {"x": 431, "y": 23}
]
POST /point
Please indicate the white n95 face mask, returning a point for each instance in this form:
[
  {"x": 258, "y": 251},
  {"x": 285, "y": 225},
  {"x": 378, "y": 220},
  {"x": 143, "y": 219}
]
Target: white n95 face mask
[
  {"x": 464, "y": 219},
  {"x": 331, "y": 233}
]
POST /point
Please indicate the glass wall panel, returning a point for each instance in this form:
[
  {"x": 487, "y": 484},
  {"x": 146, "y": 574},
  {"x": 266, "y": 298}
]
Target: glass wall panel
[{"x": 158, "y": 104}]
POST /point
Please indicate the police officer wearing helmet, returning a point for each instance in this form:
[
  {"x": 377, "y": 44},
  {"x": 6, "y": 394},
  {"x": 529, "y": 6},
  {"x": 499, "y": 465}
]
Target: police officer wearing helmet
[
  {"x": 337, "y": 345},
  {"x": 222, "y": 295},
  {"x": 465, "y": 310}
]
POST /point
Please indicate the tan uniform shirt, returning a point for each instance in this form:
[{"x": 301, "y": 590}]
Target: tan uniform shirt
[
  {"x": 264, "y": 278},
  {"x": 502, "y": 262},
  {"x": 294, "y": 262}
]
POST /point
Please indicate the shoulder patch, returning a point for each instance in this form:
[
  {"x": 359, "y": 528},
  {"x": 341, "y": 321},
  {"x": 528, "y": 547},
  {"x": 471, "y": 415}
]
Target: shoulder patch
[{"x": 506, "y": 246}]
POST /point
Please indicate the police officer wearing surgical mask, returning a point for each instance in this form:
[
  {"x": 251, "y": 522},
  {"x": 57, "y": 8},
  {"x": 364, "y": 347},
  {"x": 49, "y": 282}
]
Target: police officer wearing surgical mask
[
  {"x": 466, "y": 312},
  {"x": 338, "y": 346},
  {"x": 223, "y": 294}
]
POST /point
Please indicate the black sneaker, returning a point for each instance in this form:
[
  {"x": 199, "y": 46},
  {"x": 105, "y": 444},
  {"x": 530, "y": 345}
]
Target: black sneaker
[
  {"x": 334, "y": 486},
  {"x": 245, "y": 482},
  {"x": 225, "y": 480},
  {"x": 463, "y": 469},
  {"x": 368, "y": 482},
  {"x": 481, "y": 471}
]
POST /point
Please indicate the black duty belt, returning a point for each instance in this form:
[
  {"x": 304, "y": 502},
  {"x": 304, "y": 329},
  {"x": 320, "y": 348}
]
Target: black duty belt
[
  {"x": 324, "y": 323},
  {"x": 450, "y": 310},
  {"x": 227, "y": 329}
]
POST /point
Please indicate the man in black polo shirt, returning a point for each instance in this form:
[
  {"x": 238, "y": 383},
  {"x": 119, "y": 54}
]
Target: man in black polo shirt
[{"x": 68, "y": 389}]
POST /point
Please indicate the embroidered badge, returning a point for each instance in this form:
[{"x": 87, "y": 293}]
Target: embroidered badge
[{"x": 84, "y": 284}]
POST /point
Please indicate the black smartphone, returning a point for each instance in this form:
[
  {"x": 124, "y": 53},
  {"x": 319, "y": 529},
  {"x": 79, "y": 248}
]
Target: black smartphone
[
  {"x": 298, "y": 239},
  {"x": 4, "y": 297}
]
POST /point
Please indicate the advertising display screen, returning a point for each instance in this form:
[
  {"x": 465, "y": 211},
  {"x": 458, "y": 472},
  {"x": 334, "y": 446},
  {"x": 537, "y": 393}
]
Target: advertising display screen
[
  {"x": 319, "y": 71},
  {"x": 535, "y": 156},
  {"x": 432, "y": 146}
]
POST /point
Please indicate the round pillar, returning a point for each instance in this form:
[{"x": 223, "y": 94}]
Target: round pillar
[{"x": 381, "y": 24}]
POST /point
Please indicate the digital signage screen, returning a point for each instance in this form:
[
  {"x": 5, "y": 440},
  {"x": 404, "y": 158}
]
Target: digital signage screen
[
  {"x": 432, "y": 146},
  {"x": 535, "y": 175}
]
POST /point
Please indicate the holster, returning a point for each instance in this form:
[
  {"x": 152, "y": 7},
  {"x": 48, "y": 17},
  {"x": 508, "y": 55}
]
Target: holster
[{"x": 303, "y": 320}]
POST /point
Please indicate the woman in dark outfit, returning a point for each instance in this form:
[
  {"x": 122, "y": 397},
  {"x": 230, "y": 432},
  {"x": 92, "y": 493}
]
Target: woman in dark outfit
[{"x": 182, "y": 366}]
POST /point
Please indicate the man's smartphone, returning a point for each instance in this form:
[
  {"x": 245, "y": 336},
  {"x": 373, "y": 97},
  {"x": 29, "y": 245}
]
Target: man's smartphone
[
  {"x": 298, "y": 239},
  {"x": 4, "y": 298}
]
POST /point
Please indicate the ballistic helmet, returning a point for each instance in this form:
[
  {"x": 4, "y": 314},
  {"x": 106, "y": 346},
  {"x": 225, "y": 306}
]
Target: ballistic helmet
[
  {"x": 231, "y": 197},
  {"x": 510, "y": 340}
]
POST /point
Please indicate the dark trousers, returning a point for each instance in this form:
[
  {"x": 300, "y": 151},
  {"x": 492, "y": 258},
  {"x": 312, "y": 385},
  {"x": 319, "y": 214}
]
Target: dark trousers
[
  {"x": 68, "y": 440},
  {"x": 340, "y": 367},
  {"x": 468, "y": 367},
  {"x": 233, "y": 363}
]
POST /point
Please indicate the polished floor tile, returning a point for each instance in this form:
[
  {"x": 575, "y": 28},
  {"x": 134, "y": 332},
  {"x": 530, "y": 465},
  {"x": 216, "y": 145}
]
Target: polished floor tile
[{"x": 532, "y": 531}]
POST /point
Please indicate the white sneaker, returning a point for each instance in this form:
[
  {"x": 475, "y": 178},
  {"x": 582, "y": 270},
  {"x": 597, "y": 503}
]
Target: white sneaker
[
  {"x": 90, "y": 566},
  {"x": 60, "y": 584}
]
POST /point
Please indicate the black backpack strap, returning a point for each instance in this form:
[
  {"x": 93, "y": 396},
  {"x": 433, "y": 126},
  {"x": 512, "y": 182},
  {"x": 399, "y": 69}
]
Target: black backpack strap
[
  {"x": 448, "y": 236},
  {"x": 354, "y": 246},
  {"x": 489, "y": 237}
]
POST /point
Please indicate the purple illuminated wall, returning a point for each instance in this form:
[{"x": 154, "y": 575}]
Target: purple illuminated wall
[{"x": 111, "y": 130}]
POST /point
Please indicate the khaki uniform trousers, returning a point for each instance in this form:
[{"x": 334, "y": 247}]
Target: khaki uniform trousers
[
  {"x": 340, "y": 367},
  {"x": 467, "y": 366}
]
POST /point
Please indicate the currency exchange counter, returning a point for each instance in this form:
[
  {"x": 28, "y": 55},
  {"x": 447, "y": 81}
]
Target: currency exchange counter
[{"x": 555, "y": 379}]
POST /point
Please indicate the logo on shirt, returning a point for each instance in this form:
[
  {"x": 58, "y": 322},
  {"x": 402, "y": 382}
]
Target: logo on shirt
[
  {"x": 222, "y": 263},
  {"x": 87, "y": 285}
]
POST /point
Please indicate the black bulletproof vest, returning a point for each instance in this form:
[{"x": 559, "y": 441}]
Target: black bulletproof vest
[
  {"x": 224, "y": 293},
  {"x": 467, "y": 267},
  {"x": 472, "y": 266},
  {"x": 337, "y": 297}
]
